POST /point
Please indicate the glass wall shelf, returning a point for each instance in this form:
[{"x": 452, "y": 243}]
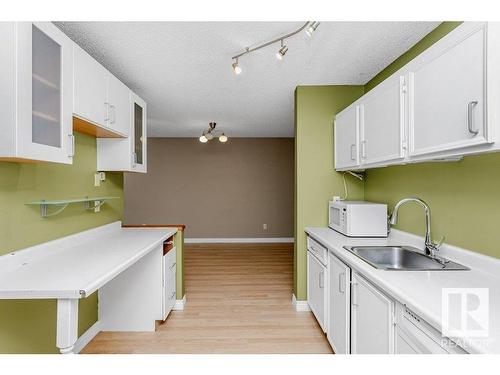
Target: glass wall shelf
[{"x": 60, "y": 205}]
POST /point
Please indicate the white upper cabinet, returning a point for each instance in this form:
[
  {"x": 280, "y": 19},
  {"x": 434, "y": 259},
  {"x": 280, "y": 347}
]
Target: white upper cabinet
[
  {"x": 442, "y": 105},
  {"x": 37, "y": 82},
  {"x": 139, "y": 151},
  {"x": 126, "y": 154},
  {"x": 119, "y": 105},
  {"x": 447, "y": 95},
  {"x": 99, "y": 97},
  {"x": 346, "y": 138},
  {"x": 382, "y": 122},
  {"x": 90, "y": 101}
]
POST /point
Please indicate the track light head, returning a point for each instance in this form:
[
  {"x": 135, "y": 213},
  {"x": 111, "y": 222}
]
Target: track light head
[
  {"x": 311, "y": 28},
  {"x": 236, "y": 67},
  {"x": 223, "y": 138},
  {"x": 282, "y": 51}
]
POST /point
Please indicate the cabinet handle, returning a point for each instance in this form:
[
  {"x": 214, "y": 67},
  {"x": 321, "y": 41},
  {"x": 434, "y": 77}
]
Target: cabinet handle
[
  {"x": 470, "y": 117},
  {"x": 172, "y": 296},
  {"x": 172, "y": 266},
  {"x": 353, "y": 158},
  {"x": 106, "y": 112},
  {"x": 321, "y": 279},
  {"x": 363, "y": 149},
  {"x": 354, "y": 301},
  {"x": 342, "y": 282},
  {"x": 113, "y": 113},
  {"x": 72, "y": 153}
]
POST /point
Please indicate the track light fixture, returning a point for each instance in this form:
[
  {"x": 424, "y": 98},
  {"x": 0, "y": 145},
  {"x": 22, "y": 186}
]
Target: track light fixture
[
  {"x": 310, "y": 27},
  {"x": 282, "y": 51},
  {"x": 209, "y": 134}
]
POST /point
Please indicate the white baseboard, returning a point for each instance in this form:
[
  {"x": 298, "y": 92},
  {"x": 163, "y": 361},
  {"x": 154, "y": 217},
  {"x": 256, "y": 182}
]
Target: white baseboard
[
  {"x": 240, "y": 240},
  {"x": 179, "y": 303},
  {"x": 300, "y": 305},
  {"x": 88, "y": 335}
]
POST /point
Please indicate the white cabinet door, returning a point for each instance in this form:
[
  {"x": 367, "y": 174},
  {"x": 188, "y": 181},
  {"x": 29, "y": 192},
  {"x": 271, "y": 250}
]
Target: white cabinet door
[
  {"x": 44, "y": 93},
  {"x": 382, "y": 122},
  {"x": 169, "y": 283},
  {"x": 90, "y": 80},
  {"x": 339, "y": 316},
  {"x": 139, "y": 134},
  {"x": 447, "y": 96},
  {"x": 372, "y": 319},
  {"x": 316, "y": 289},
  {"x": 404, "y": 344},
  {"x": 119, "y": 106},
  {"x": 346, "y": 138}
]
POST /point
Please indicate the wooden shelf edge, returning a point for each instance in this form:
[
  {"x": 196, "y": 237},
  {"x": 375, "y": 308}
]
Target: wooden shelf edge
[
  {"x": 85, "y": 127},
  {"x": 180, "y": 227}
]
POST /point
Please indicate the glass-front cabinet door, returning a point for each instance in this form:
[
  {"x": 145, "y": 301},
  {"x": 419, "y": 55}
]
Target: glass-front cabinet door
[
  {"x": 139, "y": 134},
  {"x": 45, "y": 93}
]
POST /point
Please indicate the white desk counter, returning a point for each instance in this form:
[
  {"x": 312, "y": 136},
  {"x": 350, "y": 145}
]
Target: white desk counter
[{"x": 76, "y": 266}]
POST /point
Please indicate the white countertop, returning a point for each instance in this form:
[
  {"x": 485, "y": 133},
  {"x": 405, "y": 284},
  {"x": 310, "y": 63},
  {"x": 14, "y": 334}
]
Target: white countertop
[
  {"x": 421, "y": 291},
  {"x": 77, "y": 265}
]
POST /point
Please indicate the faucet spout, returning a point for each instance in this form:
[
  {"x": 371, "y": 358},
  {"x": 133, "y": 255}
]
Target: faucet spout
[{"x": 429, "y": 245}]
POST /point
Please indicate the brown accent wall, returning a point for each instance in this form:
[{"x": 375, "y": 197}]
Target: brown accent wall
[{"x": 217, "y": 190}]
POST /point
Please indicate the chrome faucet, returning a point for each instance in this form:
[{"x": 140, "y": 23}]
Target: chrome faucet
[{"x": 430, "y": 247}]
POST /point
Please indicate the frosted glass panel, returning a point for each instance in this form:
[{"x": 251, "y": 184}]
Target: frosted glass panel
[
  {"x": 138, "y": 133},
  {"x": 46, "y": 90}
]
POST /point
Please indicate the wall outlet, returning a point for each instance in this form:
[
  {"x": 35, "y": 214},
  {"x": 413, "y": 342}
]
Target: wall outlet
[
  {"x": 98, "y": 177},
  {"x": 264, "y": 226}
]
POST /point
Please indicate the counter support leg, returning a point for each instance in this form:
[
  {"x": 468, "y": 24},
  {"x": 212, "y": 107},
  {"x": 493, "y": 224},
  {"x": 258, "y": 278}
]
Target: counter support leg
[{"x": 67, "y": 324}]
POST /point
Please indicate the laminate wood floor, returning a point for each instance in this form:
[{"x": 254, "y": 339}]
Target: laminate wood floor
[{"x": 238, "y": 301}]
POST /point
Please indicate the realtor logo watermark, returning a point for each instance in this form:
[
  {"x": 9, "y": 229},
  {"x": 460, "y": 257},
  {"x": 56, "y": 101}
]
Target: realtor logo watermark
[{"x": 465, "y": 315}]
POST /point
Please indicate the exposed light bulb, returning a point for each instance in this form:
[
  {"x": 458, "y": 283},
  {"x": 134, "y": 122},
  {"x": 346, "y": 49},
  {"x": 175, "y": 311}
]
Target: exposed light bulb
[
  {"x": 311, "y": 28},
  {"x": 281, "y": 52},
  {"x": 236, "y": 67},
  {"x": 203, "y": 139},
  {"x": 209, "y": 136},
  {"x": 223, "y": 138}
]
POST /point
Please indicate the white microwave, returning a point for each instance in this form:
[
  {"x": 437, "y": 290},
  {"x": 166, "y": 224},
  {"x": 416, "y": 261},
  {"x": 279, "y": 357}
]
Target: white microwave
[{"x": 358, "y": 218}]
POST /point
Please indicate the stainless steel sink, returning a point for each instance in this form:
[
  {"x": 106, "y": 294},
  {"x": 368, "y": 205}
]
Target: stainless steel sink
[{"x": 402, "y": 258}]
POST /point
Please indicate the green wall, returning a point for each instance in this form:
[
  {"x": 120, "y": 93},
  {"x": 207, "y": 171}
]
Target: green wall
[
  {"x": 463, "y": 195},
  {"x": 29, "y": 326},
  {"x": 316, "y": 182}
]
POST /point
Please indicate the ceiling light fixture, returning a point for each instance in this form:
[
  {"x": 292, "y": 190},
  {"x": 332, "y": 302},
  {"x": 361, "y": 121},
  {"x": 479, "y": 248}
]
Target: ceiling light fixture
[
  {"x": 282, "y": 51},
  {"x": 309, "y": 26},
  {"x": 210, "y": 134},
  {"x": 236, "y": 67},
  {"x": 312, "y": 28}
]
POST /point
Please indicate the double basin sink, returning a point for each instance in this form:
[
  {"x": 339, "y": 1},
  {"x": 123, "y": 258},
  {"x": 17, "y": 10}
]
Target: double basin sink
[{"x": 402, "y": 258}]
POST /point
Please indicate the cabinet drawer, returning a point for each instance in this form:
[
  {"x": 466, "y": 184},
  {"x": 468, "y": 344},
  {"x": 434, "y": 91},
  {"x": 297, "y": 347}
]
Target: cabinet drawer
[{"x": 317, "y": 249}]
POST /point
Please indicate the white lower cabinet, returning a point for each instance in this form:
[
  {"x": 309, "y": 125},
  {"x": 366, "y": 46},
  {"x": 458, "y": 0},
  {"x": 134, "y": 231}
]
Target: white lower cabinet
[
  {"x": 169, "y": 283},
  {"x": 316, "y": 289},
  {"x": 339, "y": 316},
  {"x": 372, "y": 319}
]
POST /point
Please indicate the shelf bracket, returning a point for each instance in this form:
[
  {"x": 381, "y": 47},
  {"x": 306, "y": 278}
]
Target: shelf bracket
[{"x": 44, "y": 211}]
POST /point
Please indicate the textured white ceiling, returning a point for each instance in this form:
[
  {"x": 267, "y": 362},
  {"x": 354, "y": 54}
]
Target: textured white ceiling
[{"x": 183, "y": 69}]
